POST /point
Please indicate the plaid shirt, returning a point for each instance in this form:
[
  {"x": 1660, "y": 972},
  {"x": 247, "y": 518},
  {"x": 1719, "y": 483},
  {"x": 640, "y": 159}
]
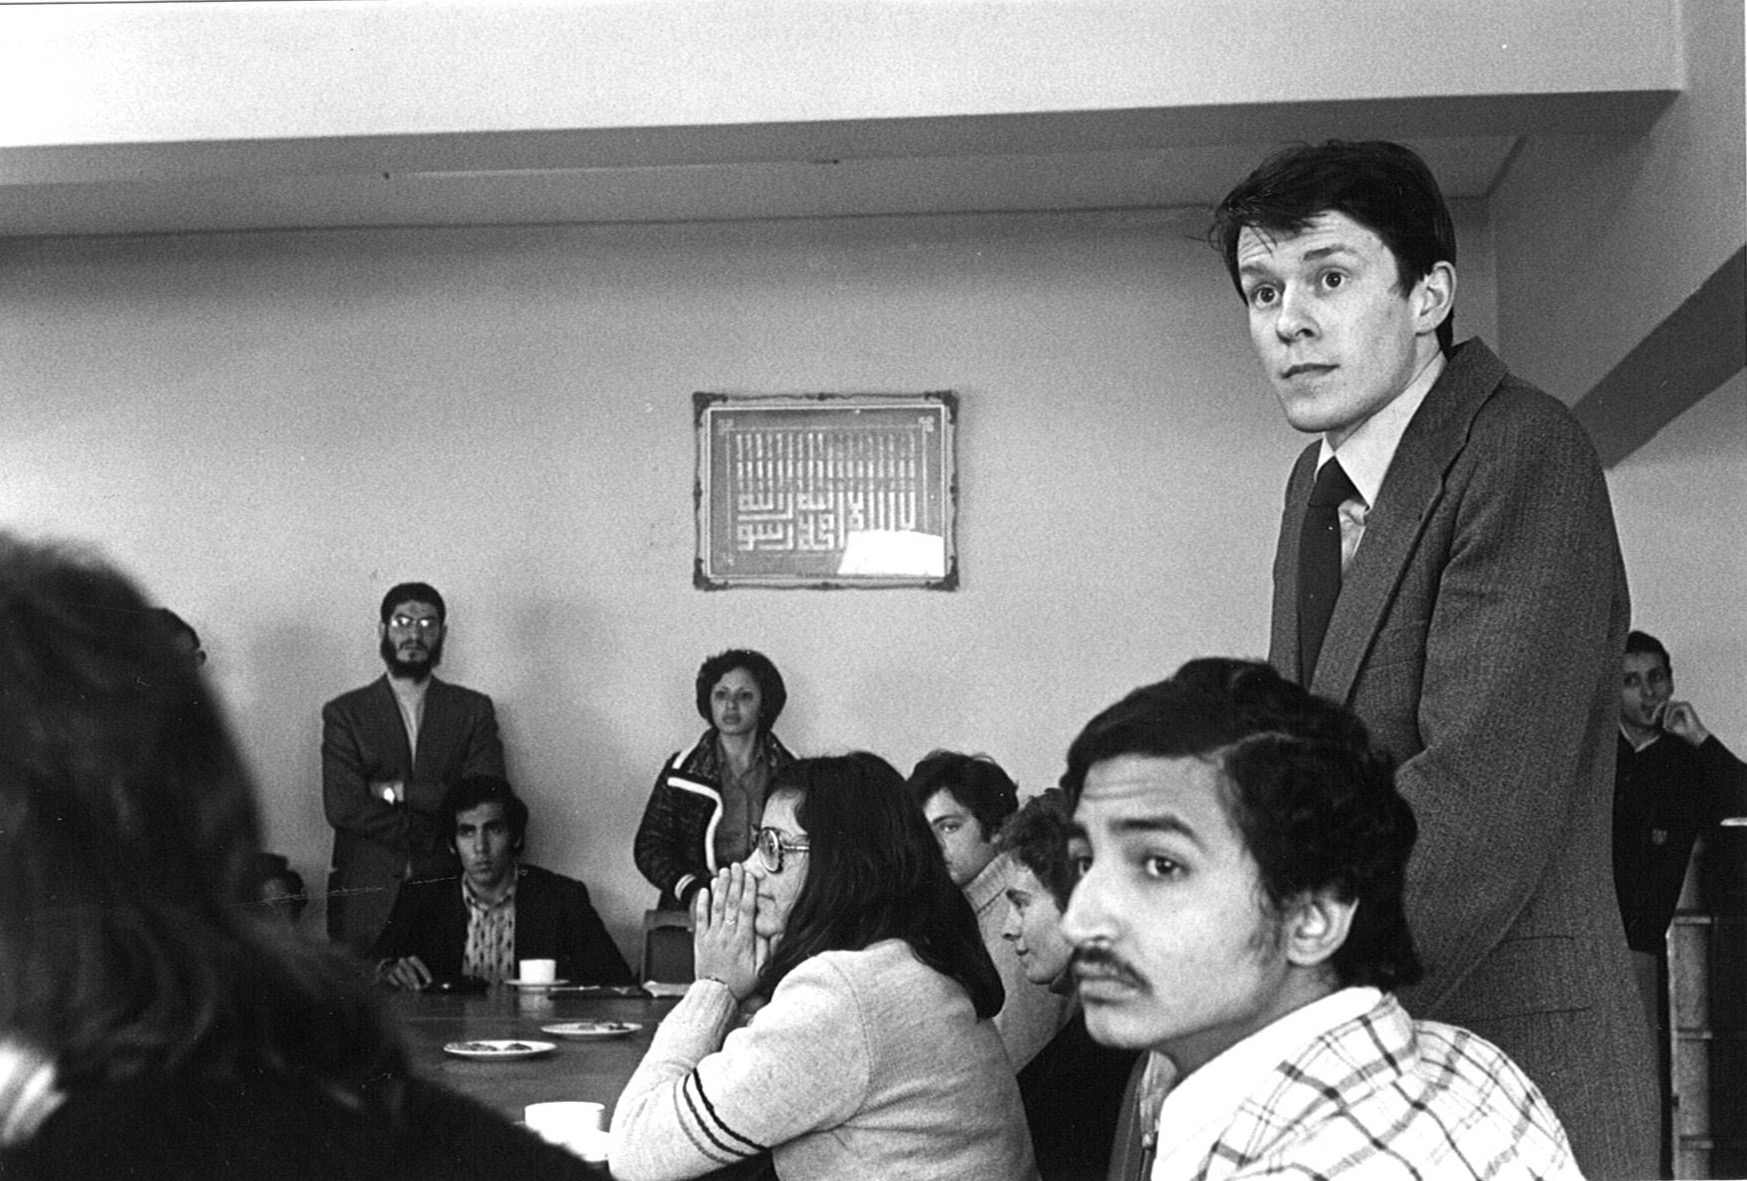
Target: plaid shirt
[{"x": 1382, "y": 1095}]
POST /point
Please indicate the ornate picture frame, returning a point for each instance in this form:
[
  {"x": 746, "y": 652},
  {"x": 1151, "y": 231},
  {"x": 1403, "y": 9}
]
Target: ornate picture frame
[{"x": 826, "y": 491}]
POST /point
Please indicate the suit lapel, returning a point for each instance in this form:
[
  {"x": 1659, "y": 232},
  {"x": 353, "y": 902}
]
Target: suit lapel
[
  {"x": 1411, "y": 492},
  {"x": 1283, "y": 634},
  {"x": 390, "y": 725}
]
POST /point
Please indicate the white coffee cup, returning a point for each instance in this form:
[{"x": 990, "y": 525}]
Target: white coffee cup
[
  {"x": 538, "y": 971},
  {"x": 577, "y": 1126}
]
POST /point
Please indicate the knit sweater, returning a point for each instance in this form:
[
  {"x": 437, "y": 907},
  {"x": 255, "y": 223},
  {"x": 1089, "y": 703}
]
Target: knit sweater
[{"x": 864, "y": 1064}]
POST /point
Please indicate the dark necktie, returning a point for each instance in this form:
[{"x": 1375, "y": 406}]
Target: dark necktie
[{"x": 1319, "y": 562}]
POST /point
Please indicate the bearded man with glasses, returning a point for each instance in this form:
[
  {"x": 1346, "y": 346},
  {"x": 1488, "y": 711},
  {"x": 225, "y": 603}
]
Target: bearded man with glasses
[{"x": 390, "y": 751}]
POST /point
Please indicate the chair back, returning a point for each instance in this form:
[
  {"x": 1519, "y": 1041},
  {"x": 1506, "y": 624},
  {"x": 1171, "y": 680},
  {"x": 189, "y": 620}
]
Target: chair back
[{"x": 667, "y": 946}]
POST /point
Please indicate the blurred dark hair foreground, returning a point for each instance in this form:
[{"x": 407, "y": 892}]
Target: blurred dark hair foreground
[
  {"x": 156, "y": 1020},
  {"x": 130, "y": 942}
]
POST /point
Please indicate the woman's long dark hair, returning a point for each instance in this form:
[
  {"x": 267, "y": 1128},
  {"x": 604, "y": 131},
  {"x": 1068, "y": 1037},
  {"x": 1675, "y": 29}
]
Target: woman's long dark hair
[
  {"x": 132, "y": 943},
  {"x": 874, "y": 872}
]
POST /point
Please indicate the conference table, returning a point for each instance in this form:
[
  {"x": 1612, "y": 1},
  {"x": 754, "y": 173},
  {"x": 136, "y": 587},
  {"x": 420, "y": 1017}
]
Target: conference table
[{"x": 594, "y": 1070}]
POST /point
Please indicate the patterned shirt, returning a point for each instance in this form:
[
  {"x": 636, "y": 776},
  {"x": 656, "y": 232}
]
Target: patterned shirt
[
  {"x": 1375, "y": 1094},
  {"x": 742, "y": 808},
  {"x": 491, "y": 935}
]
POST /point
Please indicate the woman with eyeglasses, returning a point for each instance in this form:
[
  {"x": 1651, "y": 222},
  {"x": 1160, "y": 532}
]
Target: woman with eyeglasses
[
  {"x": 869, "y": 1051},
  {"x": 708, "y": 800}
]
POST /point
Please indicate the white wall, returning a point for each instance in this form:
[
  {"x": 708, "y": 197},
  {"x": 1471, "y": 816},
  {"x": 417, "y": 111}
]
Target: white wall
[
  {"x": 1600, "y": 238},
  {"x": 1679, "y": 501},
  {"x": 1598, "y": 241},
  {"x": 271, "y": 429}
]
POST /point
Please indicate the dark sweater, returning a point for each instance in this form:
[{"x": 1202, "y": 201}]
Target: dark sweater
[
  {"x": 196, "y": 1130},
  {"x": 1072, "y": 1092},
  {"x": 1664, "y": 796}
]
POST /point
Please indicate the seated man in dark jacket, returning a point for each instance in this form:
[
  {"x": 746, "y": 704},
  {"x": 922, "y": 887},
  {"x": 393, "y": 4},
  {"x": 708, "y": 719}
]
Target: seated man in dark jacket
[{"x": 500, "y": 912}]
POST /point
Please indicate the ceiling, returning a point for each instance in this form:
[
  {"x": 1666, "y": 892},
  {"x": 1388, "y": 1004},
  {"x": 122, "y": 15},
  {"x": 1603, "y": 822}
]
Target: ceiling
[
  {"x": 830, "y": 187},
  {"x": 156, "y": 118}
]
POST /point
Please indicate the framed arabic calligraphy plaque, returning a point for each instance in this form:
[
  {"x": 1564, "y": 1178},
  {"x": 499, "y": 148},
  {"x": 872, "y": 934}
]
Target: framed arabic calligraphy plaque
[{"x": 826, "y": 490}]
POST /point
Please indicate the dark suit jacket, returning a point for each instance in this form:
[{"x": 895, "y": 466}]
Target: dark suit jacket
[
  {"x": 554, "y": 921},
  {"x": 364, "y": 741},
  {"x": 1478, "y": 633}
]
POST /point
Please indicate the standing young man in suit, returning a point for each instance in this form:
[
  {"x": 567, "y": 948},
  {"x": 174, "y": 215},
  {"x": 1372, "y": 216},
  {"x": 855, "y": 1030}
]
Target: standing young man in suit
[
  {"x": 389, "y": 752},
  {"x": 1448, "y": 568}
]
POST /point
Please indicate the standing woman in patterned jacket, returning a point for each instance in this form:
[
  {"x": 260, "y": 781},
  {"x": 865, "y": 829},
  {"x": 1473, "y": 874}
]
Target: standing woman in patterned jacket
[{"x": 709, "y": 800}]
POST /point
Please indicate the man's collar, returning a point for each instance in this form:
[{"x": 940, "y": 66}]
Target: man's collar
[
  {"x": 1200, "y": 1108},
  {"x": 406, "y": 687},
  {"x": 990, "y": 881},
  {"x": 1639, "y": 747},
  {"x": 473, "y": 899},
  {"x": 1367, "y": 452}
]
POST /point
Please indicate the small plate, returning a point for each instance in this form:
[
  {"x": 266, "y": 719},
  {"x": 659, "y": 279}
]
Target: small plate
[
  {"x": 591, "y": 1030},
  {"x": 535, "y": 983},
  {"x": 499, "y": 1049}
]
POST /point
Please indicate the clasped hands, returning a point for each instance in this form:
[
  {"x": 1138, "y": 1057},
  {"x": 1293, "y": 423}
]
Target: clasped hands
[{"x": 725, "y": 943}]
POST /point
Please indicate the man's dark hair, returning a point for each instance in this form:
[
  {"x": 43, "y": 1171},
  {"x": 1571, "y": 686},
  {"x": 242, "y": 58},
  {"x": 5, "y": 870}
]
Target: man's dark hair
[
  {"x": 976, "y": 781},
  {"x": 1383, "y": 186},
  {"x": 413, "y": 592},
  {"x": 874, "y": 872},
  {"x": 1645, "y": 642},
  {"x": 1037, "y": 836},
  {"x": 1313, "y": 800},
  {"x": 773, "y": 695},
  {"x": 132, "y": 946},
  {"x": 470, "y": 791},
  {"x": 280, "y": 886}
]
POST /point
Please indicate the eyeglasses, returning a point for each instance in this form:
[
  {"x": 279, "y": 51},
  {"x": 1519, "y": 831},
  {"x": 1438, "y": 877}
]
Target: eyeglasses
[
  {"x": 771, "y": 848},
  {"x": 424, "y": 623}
]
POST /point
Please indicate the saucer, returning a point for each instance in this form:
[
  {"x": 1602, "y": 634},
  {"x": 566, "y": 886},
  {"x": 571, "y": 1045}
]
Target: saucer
[
  {"x": 591, "y": 1030},
  {"x": 499, "y": 1049}
]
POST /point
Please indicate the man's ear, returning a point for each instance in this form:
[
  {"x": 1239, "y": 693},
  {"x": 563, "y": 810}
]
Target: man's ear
[
  {"x": 1434, "y": 297},
  {"x": 1316, "y": 926}
]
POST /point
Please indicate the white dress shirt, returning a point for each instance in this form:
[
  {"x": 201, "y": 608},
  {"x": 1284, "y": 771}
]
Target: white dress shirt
[{"x": 1368, "y": 451}]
